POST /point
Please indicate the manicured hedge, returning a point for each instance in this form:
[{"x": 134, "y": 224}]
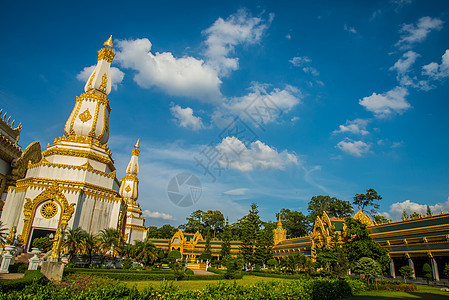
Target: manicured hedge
[
  {"x": 142, "y": 276},
  {"x": 316, "y": 289},
  {"x": 88, "y": 270},
  {"x": 398, "y": 287},
  {"x": 19, "y": 284}
]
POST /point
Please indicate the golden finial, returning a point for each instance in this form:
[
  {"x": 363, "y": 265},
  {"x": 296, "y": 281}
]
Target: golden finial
[
  {"x": 109, "y": 42},
  {"x": 137, "y": 146}
]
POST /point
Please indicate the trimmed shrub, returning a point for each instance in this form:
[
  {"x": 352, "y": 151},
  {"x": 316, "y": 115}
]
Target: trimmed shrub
[
  {"x": 399, "y": 287},
  {"x": 29, "y": 278}
]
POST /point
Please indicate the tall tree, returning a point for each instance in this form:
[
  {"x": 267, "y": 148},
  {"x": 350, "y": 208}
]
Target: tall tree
[
  {"x": 214, "y": 220},
  {"x": 226, "y": 240},
  {"x": 367, "y": 200},
  {"x": 109, "y": 240},
  {"x": 379, "y": 219},
  {"x": 207, "y": 254},
  {"x": 264, "y": 245},
  {"x": 357, "y": 243},
  {"x": 250, "y": 229},
  {"x": 429, "y": 211},
  {"x": 294, "y": 222},
  {"x": 334, "y": 208},
  {"x": 194, "y": 223}
]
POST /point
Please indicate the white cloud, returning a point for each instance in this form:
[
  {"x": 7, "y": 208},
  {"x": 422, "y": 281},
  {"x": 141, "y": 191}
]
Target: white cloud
[
  {"x": 384, "y": 105},
  {"x": 375, "y": 14},
  {"x": 403, "y": 67},
  {"x": 158, "y": 215},
  {"x": 255, "y": 155},
  {"x": 357, "y": 126},
  {"x": 304, "y": 63},
  {"x": 236, "y": 192},
  {"x": 354, "y": 148},
  {"x": 224, "y": 35},
  {"x": 349, "y": 29},
  {"x": 410, "y": 207},
  {"x": 116, "y": 75},
  {"x": 412, "y": 34},
  {"x": 185, "y": 117},
  {"x": 438, "y": 71},
  {"x": 185, "y": 76},
  {"x": 278, "y": 101},
  {"x": 288, "y": 36}
]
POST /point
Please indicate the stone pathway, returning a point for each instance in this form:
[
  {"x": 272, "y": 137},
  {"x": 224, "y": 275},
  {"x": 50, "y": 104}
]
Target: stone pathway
[
  {"x": 201, "y": 272},
  {"x": 9, "y": 276}
]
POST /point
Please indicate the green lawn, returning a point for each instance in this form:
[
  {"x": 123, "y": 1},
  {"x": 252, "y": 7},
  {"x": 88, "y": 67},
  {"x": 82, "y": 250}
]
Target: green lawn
[
  {"x": 424, "y": 292},
  {"x": 198, "y": 284}
]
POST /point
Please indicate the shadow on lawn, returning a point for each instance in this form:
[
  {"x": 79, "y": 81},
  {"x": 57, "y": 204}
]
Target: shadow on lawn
[{"x": 416, "y": 295}]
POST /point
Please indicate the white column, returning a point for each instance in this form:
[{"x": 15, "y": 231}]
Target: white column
[
  {"x": 392, "y": 270},
  {"x": 34, "y": 261},
  {"x": 6, "y": 259},
  {"x": 411, "y": 265},
  {"x": 434, "y": 265}
]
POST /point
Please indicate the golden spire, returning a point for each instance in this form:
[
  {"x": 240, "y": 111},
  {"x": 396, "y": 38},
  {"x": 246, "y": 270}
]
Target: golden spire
[
  {"x": 136, "y": 150},
  {"x": 279, "y": 223},
  {"x": 137, "y": 144},
  {"x": 109, "y": 42}
]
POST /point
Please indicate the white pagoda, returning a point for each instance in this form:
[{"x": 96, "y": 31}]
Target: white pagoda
[{"x": 74, "y": 184}]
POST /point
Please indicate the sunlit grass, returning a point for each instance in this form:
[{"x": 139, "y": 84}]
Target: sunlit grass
[
  {"x": 199, "y": 284},
  {"x": 423, "y": 292}
]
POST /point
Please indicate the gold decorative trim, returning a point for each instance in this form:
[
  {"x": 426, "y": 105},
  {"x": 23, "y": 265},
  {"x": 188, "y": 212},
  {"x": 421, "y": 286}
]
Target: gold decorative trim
[
  {"x": 94, "y": 122},
  {"x": 69, "y": 186},
  {"x": 85, "y": 116},
  {"x": 81, "y": 139},
  {"x": 89, "y": 85},
  {"x": 362, "y": 217},
  {"x": 49, "y": 210},
  {"x": 106, "y": 54},
  {"x": 51, "y": 192},
  {"x": 85, "y": 167},
  {"x": 104, "y": 83},
  {"x": 80, "y": 153},
  {"x": 127, "y": 189}
]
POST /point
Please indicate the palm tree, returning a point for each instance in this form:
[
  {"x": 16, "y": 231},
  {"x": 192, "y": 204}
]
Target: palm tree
[
  {"x": 145, "y": 251},
  {"x": 73, "y": 241},
  {"x": 109, "y": 239},
  {"x": 89, "y": 245}
]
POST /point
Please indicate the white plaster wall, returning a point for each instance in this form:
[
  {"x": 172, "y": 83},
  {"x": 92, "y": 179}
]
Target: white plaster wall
[{"x": 41, "y": 221}]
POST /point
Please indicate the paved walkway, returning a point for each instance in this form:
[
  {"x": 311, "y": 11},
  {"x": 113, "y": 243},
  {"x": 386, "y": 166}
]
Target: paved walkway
[
  {"x": 8, "y": 276},
  {"x": 201, "y": 272}
]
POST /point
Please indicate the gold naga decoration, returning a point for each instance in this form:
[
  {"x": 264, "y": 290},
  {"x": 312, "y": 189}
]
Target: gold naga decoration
[{"x": 52, "y": 193}]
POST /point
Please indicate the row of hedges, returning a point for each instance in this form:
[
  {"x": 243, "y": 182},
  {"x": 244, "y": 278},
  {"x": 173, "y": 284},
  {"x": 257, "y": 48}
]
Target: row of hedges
[
  {"x": 139, "y": 276},
  {"x": 318, "y": 289},
  {"x": 29, "y": 278},
  {"x": 398, "y": 287},
  {"x": 92, "y": 271}
]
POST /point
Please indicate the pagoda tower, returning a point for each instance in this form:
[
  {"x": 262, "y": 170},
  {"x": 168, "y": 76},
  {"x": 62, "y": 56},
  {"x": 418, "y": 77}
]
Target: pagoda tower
[
  {"x": 133, "y": 226},
  {"x": 279, "y": 234},
  {"x": 74, "y": 184}
]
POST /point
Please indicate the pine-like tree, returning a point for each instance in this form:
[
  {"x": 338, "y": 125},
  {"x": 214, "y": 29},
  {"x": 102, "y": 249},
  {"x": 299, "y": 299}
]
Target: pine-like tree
[
  {"x": 226, "y": 240},
  {"x": 250, "y": 229}
]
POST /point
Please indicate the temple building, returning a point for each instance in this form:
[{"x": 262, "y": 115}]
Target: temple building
[{"x": 73, "y": 183}]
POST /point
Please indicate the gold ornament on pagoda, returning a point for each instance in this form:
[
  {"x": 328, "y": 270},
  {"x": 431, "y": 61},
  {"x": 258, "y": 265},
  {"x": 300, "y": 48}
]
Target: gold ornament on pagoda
[
  {"x": 49, "y": 210},
  {"x": 85, "y": 116}
]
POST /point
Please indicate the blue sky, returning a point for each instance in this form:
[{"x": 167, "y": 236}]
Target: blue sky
[{"x": 357, "y": 92}]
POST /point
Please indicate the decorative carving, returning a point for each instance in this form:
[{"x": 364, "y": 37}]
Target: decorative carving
[
  {"x": 106, "y": 54},
  {"x": 103, "y": 85},
  {"x": 31, "y": 154},
  {"x": 49, "y": 210},
  {"x": 362, "y": 217},
  {"x": 127, "y": 189},
  {"x": 89, "y": 85},
  {"x": 29, "y": 209},
  {"x": 85, "y": 116},
  {"x": 79, "y": 153}
]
